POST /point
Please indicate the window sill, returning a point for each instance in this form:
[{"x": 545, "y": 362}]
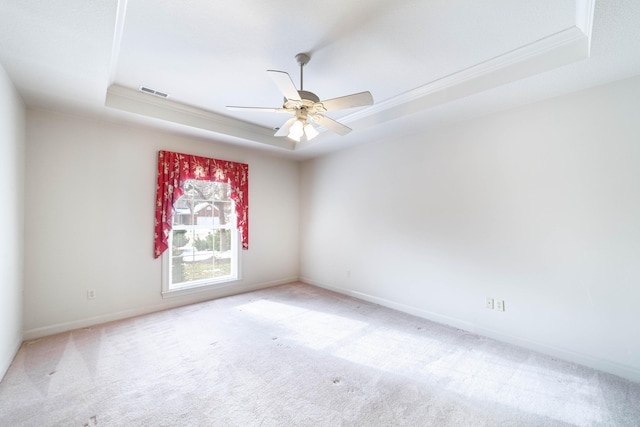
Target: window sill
[{"x": 195, "y": 289}]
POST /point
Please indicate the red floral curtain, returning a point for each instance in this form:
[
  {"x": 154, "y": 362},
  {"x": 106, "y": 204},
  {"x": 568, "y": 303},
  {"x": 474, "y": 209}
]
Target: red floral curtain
[{"x": 175, "y": 168}]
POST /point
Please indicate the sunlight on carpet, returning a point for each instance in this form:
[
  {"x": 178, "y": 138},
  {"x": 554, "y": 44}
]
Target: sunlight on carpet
[
  {"x": 314, "y": 329},
  {"x": 473, "y": 373}
]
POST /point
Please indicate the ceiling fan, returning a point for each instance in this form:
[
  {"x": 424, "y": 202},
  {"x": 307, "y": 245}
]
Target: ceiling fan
[{"x": 306, "y": 106}]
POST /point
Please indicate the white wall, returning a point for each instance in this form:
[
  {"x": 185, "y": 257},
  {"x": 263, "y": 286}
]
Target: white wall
[
  {"x": 538, "y": 206},
  {"x": 89, "y": 211},
  {"x": 12, "y": 141}
]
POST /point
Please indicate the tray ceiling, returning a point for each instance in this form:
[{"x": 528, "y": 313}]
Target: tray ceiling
[{"x": 427, "y": 63}]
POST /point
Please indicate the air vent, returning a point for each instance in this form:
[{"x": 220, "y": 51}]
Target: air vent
[{"x": 153, "y": 92}]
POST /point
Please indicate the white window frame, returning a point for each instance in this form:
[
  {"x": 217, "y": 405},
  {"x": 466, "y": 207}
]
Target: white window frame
[{"x": 205, "y": 284}]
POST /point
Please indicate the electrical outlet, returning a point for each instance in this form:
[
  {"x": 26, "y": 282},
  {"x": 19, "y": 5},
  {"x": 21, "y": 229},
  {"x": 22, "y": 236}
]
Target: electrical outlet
[
  {"x": 500, "y": 305},
  {"x": 91, "y": 294},
  {"x": 489, "y": 303}
]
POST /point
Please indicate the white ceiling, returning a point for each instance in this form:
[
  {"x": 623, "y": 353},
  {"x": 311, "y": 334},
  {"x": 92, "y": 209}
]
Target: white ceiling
[{"x": 427, "y": 63}]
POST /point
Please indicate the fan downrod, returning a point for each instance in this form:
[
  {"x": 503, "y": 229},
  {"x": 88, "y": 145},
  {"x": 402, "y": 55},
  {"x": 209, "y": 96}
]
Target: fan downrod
[{"x": 303, "y": 59}]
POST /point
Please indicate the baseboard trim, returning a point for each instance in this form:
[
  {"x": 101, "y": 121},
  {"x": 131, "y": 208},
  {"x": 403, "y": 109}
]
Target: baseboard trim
[
  {"x": 6, "y": 361},
  {"x": 439, "y": 318},
  {"x": 603, "y": 365},
  {"x": 166, "y": 304}
]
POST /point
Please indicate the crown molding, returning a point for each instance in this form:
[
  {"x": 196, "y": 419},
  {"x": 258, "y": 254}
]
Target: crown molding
[
  {"x": 134, "y": 101},
  {"x": 554, "y": 51},
  {"x": 585, "y": 9},
  {"x": 564, "y": 47}
]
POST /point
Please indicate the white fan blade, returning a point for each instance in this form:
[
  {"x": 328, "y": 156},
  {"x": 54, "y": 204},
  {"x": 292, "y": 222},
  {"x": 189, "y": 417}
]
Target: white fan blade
[
  {"x": 349, "y": 101},
  {"x": 285, "y": 84},
  {"x": 257, "y": 109},
  {"x": 330, "y": 124},
  {"x": 284, "y": 129}
]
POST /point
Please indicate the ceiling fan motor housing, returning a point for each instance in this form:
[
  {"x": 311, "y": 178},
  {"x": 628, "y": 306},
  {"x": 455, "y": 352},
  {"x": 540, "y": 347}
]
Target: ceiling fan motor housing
[{"x": 308, "y": 96}]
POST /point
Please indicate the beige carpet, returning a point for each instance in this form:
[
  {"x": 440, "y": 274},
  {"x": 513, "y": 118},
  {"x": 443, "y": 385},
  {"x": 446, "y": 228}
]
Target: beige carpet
[{"x": 296, "y": 355}]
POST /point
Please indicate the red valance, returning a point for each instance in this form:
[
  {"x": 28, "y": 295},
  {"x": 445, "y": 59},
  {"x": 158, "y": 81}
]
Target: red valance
[{"x": 175, "y": 168}]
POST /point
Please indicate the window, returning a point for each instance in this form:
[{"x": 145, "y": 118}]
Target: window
[
  {"x": 203, "y": 244},
  {"x": 207, "y": 200}
]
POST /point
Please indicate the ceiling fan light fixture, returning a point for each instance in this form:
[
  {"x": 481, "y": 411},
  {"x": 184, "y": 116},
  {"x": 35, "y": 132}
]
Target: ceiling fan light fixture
[
  {"x": 310, "y": 132},
  {"x": 296, "y": 131},
  {"x": 294, "y": 138}
]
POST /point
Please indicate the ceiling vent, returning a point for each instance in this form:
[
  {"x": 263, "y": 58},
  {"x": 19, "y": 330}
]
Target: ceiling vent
[{"x": 153, "y": 92}]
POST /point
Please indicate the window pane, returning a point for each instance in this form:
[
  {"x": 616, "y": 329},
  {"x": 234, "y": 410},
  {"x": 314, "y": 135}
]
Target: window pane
[
  {"x": 202, "y": 246},
  {"x": 223, "y": 253}
]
